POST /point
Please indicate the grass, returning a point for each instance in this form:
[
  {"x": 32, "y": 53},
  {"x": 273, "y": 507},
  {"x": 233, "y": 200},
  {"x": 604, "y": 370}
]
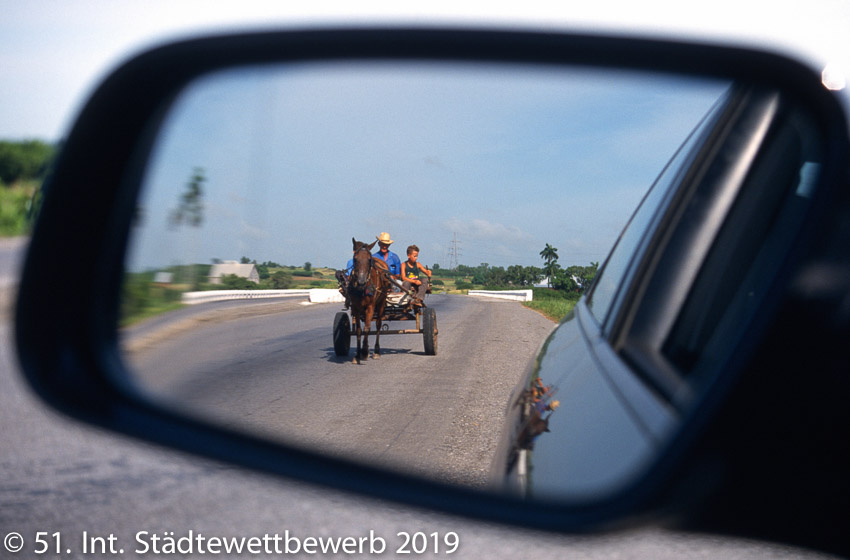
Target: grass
[
  {"x": 554, "y": 304},
  {"x": 14, "y": 205},
  {"x": 144, "y": 299},
  {"x": 148, "y": 312}
]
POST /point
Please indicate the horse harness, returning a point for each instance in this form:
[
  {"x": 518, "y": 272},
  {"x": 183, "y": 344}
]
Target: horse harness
[{"x": 369, "y": 289}]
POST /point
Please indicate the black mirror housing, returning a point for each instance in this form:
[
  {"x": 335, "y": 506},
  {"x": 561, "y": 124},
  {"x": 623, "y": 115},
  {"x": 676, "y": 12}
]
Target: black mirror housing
[{"x": 760, "y": 441}]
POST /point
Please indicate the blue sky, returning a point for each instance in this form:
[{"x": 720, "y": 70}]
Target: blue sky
[{"x": 301, "y": 159}]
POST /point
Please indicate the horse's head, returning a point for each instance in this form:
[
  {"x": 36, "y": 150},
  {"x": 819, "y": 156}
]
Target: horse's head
[{"x": 362, "y": 263}]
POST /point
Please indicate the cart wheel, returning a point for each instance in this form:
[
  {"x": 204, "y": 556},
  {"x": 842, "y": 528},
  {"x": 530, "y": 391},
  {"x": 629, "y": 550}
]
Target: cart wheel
[
  {"x": 342, "y": 334},
  {"x": 429, "y": 331}
]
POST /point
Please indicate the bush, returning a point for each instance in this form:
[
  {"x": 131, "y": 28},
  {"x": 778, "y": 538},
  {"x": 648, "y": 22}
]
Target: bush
[
  {"x": 14, "y": 204},
  {"x": 462, "y": 285},
  {"x": 233, "y": 282},
  {"x": 281, "y": 280},
  {"x": 142, "y": 298}
]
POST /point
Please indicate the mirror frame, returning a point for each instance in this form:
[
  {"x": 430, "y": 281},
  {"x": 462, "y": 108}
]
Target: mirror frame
[{"x": 66, "y": 331}]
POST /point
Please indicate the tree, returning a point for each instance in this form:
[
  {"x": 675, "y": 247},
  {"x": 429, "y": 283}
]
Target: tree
[
  {"x": 190, "y": 205},
  {"x": 551, "y": 269},
  {"x": 281, "y": 280},
  {"x": 308, "y": 266},
  {"x": 26, "y": 160},
  {"x": 234, "y": 282},
  {"x": 550, "y": 256},
  {"x": 575, "y": 278}
]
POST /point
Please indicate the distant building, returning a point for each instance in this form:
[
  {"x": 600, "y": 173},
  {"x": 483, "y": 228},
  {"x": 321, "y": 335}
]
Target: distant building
[
  {"x": 163, "y": 278},
  {"x": 227, "y": 268},
  {"x": 543, "y": 283}
]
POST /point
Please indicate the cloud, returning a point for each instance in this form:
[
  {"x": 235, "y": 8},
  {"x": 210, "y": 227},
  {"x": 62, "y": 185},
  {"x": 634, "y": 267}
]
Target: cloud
[
  {"x": 483, "y": 229},
  {"x": 253, "y": 232},
  {"x": 390, "y": 219}
]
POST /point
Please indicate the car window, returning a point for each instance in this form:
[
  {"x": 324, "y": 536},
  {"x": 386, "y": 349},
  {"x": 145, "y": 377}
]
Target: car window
[
  {"x": 750, "y": 248},
  {"x": 629, "y": 246}
]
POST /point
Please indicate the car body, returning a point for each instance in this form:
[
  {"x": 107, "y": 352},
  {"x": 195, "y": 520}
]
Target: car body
[
  {"x": 718, "y": 279},
  {"x": 69, "y": 353}
]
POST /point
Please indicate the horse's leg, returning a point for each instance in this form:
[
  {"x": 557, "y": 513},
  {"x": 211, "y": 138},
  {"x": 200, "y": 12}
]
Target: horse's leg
[
  {"x": 378, "y": 314},
  {"x": 367, "y": 320},
  {"x": 357, "y": 330}
]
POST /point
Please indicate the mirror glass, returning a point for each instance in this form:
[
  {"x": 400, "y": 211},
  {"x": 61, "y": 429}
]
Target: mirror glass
[{"x": 504, "y": 177}]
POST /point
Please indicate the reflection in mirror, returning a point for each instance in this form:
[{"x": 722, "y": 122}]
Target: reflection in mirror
[{"x": 503, "y": 177}]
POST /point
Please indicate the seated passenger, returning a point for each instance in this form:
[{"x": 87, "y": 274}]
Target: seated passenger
[{"x": 415, "y": 273}]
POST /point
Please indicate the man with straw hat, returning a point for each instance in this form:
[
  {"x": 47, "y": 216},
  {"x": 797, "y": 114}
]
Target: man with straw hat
[{"x": 384, "y": 253}]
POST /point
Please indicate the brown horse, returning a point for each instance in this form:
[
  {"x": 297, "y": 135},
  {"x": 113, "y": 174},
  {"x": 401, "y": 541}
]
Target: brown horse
[{"x": 367, "y": 288}]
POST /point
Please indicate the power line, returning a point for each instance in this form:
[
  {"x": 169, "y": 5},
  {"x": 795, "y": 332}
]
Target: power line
[{"x": 454, "y": 252}]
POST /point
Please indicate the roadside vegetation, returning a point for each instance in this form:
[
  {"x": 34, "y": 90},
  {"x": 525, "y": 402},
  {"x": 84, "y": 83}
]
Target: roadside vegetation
[
  {"x": 564, "y": 285},
  {"x": 152, "y": 292},
  {"x": 554, "y": 304},
  {"x": 23, "y": 166}
]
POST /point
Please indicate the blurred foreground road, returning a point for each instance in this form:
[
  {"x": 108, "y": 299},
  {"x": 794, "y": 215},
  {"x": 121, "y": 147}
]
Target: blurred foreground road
[{"x": 11, "y": 259}]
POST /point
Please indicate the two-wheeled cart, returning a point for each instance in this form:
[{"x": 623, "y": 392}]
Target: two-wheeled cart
[{"x": 399, "y": 307}]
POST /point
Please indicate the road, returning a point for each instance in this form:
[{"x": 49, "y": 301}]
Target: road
[
  {"x": 59, "y": 476},
  {"x": 11, "y": 259},
  {"x": 273, "y": 370}
]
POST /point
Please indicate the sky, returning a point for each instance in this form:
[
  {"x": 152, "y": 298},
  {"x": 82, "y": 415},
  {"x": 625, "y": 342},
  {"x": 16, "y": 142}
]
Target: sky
[
  {"x": 502, "y": 158},
  {"x": 503, "y": 202}
]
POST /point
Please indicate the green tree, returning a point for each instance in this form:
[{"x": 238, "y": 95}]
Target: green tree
[
  {"x": 281, "y": 280},
  {"x": 190, "y": 205},
  {"x": 308, "y": 266},
  {"x": 550, "y": 256},
  {"x": 234, "y": 282},
  {"x": 575, "y": 278},
  {"x": 26, "y": 160}
]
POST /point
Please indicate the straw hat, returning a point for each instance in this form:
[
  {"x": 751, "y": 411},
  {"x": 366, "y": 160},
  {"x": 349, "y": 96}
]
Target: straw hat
[{"x": 384, "y": 238}]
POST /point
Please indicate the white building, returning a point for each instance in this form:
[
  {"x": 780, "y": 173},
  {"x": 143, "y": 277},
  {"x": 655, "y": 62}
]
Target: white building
[{"x": 227, "y": 268}]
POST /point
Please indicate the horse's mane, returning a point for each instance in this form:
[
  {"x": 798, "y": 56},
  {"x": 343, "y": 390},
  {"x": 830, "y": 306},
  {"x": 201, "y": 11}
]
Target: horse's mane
[{"x": 381, "y": 264}]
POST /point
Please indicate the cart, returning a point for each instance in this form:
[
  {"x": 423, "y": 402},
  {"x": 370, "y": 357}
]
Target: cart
[{"x": 400, "y": 306}]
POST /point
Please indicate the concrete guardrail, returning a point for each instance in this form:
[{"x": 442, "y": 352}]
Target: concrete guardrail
[
  {"x": 324, "y": 295},
  {"x": 192, "y": 298},
  {"x": 315, "y": 295},
  {"x": 515, "y": 295}
]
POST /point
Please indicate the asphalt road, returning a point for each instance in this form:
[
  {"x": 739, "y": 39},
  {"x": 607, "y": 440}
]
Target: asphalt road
[
  {"x": 11, "y": 260},
  {"x": 272, "y": 369},
  {"x": 57, "y": 476}
]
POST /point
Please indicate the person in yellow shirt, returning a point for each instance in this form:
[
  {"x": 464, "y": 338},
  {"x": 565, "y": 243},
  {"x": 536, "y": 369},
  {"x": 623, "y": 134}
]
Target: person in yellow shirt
[{"x": 414, "y": 274}]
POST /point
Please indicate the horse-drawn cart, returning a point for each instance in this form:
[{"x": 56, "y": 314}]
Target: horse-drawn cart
[{"x": 399, "y": 307}]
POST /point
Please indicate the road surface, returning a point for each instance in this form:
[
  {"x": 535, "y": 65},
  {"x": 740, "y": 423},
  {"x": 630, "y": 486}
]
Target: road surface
[{"x": 273, "y": 370}]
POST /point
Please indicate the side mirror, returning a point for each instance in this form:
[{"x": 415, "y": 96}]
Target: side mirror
[{"x": 659, "y": 369}]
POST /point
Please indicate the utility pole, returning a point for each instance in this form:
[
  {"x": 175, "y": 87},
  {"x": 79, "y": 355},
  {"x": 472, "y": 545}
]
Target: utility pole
[{"x": 454, "y": 252}]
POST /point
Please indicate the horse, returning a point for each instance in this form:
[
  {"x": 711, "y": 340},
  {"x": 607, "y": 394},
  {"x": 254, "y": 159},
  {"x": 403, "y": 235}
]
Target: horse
[{"x": 368, "y": 285}]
